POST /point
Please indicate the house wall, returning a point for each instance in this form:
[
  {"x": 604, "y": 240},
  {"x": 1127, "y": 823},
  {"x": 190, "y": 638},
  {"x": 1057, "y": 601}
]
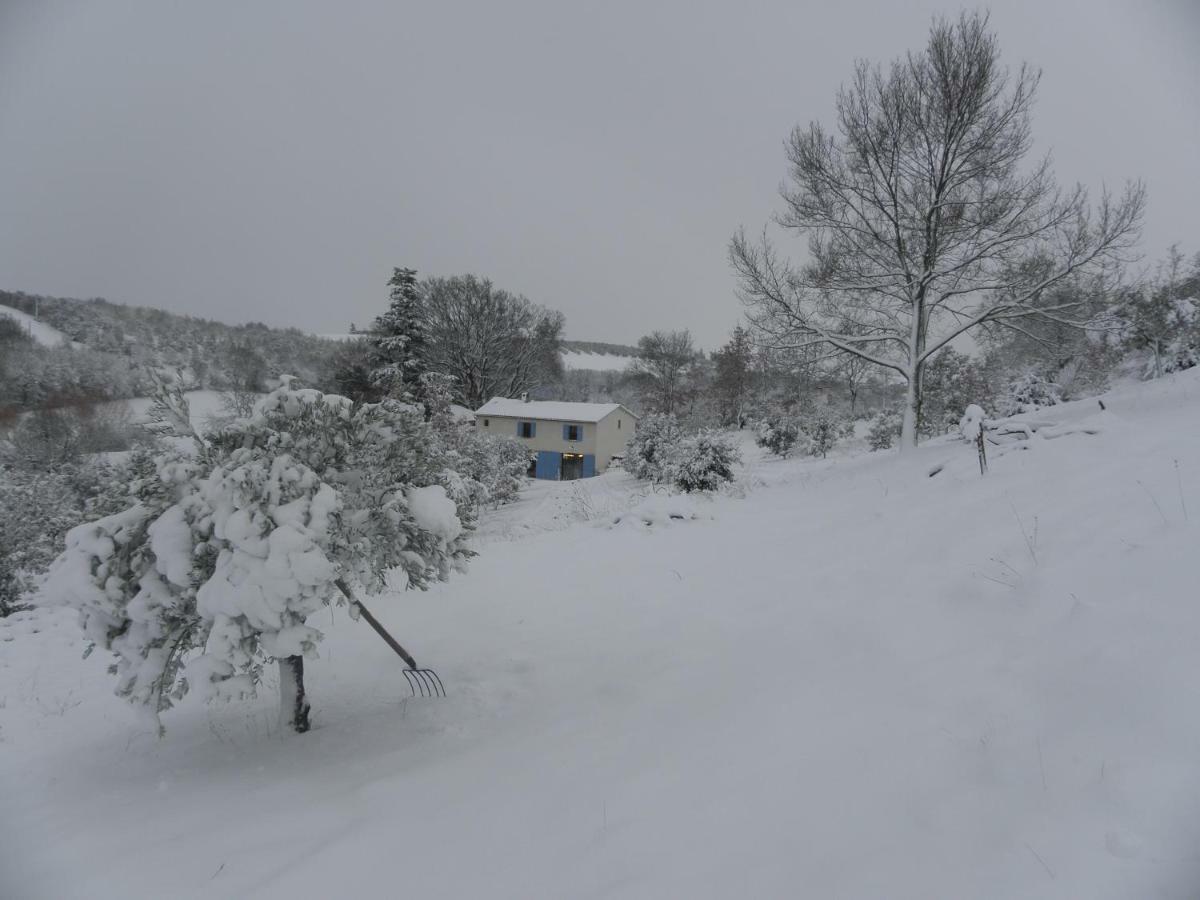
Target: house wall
[
  {"x": 612, "y": 434},
  {"x": 601, "y": 439},
  {"x": 549, "y": 434}
]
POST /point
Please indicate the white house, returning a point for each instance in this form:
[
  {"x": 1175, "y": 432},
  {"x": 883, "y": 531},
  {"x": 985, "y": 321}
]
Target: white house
[{"x": 572, "y": 440}]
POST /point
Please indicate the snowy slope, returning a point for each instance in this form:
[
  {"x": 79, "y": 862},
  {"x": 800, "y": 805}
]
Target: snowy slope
[
  {"x": 855, "y": 681},
  {"x": 39, "y": 331},
  {"x": 599, "y": 362}
]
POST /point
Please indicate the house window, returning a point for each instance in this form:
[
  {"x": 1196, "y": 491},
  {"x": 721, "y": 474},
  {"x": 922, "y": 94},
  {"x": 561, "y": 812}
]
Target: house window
[
  {"x": 572, "y": 432},
  {"x": 525, "y": 429},
  {"x": 486, "y": 423},
  {"x": 618, "y": 424}
]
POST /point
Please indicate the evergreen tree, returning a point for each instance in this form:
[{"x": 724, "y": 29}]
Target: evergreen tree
[
  {"x": 399, "y": 339},
  {"x": 223, "y": 556},
  {"x": 778, "y": 434},
  {"x": 733, "y": 384}
]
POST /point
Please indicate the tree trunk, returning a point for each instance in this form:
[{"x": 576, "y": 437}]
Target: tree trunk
[
  {"x": 293, "y": 707},
  {"x": 912, "y": 412}
]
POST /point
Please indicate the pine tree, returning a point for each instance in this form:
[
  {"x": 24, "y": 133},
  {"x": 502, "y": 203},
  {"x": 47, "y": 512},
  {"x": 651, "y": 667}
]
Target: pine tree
[
  {"x": 733, "y": 383},
  {"x": 399, "y": 339},
  {"x": 217, "y": 566}
]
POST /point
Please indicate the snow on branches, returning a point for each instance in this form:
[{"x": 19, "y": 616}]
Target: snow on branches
[
  {"x": 660, "y": 452},
  {"x": 225, "y": 553}
]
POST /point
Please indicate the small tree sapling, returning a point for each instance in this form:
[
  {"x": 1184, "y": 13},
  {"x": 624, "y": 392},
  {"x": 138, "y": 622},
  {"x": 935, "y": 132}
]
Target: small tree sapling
[{"x": 225, "y": 553}]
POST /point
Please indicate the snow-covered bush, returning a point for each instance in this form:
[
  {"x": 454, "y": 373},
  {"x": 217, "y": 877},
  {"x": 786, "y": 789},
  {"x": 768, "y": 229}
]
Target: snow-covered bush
[
  {"x": 971, "y": 424},
  {"x": 492, "y": 468},
  {"x": 703, "y": 461},
  {"x": 649, "y": 451},
  {"x": 951, "y": 381},
  {"x": 224, "y": 555},
  {"x": 38, "y": 506},
  {"x": 884, "y": 430},
  {"x": 36, "y": 510},
  {"x": 1027, "y": 393},
  {"x": 778, "y": 434},
  {"x": 824, "y": 429}
]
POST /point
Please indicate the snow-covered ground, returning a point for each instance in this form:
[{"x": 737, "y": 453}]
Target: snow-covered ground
[
  {"x": 849, "y": 678},
  {"x": 599, "y": 362},
  {"x": 572, "y": 359},
  {"x": 39, "y": 331}
]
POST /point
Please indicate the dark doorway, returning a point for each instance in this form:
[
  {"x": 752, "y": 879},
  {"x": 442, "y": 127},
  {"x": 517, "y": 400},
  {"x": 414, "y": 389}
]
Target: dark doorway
[{"x": 572, "y": 466}]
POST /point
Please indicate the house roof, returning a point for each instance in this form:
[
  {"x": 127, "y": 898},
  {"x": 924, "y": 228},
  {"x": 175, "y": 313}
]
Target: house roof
[{"x": 557, "y": 410}]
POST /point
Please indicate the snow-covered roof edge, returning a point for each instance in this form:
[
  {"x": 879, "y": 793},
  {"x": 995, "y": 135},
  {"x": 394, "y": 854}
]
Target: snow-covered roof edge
[{"x": 554, "y": 410}]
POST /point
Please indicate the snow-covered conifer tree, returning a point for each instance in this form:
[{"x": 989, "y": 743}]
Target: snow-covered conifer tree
[
  {"x": 778, "y": 434},
  {"x": 399, "y": 338},
  {"x": 217, "y": 566}
]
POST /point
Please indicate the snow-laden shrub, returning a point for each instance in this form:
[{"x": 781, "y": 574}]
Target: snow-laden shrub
[
  {"x": 221, "y": 559},
  {"x": 778, "y": 434},
  {"x": 1027, "y": 393},
  {"x": 38, "y": 507},
  {"x": 824, "y": 429},
  {"x": 884, "y": 430},
  {"x": 648, "y": 453},
  {"x": 970, "y": 426},
  {"x": 703, "y": 461},
  {"x": 499, "y": 465},
  {"x": 492, "y": 468},
  {"x": 1182, "y": 353}
]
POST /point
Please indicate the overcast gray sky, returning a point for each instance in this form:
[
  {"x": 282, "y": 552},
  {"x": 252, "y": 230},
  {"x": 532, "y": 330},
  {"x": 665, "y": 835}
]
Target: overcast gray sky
[{"x": 272, "y": 161}]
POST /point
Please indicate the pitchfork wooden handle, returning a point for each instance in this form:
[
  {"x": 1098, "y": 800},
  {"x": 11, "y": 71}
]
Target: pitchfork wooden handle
[{"x": 374, "y": 623}]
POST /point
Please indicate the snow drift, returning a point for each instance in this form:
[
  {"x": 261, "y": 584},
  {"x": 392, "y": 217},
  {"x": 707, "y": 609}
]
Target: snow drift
[{"x": 856, "y": 681}]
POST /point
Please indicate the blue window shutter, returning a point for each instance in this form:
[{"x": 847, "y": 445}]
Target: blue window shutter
[
  {"x": 566, "y": 432},
  {"x": 589, "y": 465},
  {"x": 579, "y": 431},
  {"x": 533, "y": 429},
  {"x": 519, "y": 424}
]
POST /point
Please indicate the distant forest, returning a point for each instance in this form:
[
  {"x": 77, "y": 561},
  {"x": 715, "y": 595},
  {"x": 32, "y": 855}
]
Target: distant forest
[{"x": 115, "y": 343}]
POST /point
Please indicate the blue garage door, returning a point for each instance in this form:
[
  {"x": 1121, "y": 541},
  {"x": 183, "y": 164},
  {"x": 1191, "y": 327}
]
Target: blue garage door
[
  {"x": 548, "y": 464},
  {"x": 589, "y": 465}
]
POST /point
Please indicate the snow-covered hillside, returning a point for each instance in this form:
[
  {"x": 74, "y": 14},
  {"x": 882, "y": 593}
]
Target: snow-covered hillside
[
  {"x": 849, "y": 678},
  {"x": 39, "y": 331},
  {"x": 597, "y": 362}
]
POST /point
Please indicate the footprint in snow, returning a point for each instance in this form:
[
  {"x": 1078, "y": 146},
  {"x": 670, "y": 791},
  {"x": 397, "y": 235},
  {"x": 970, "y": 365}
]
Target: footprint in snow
[{"x": 1123, "y": 844}]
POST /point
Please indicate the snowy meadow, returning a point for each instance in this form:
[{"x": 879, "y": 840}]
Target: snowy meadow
[
  {"x": 720, "y": 695},
  {"x": 849, "y": 555}
]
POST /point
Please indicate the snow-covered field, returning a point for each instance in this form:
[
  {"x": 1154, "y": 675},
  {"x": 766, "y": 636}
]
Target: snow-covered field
[
  {"x": 572, "y": 359},
  {"x": 598, "y": 362},
  {"x": 39, "y": 331},
  {"x": 846, "y": 679}
]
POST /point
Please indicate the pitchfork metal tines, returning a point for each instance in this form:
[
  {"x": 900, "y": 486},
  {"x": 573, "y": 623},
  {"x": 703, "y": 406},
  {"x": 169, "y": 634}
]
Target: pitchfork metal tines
[{"x": 424, "y": 683}]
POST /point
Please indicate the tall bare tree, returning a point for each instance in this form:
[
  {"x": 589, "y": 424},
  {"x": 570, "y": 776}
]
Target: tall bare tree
[
  {"x": 664, "y": 371},
  {"x": 922, "y": 219},
  {"x": 494, "y": 343}
]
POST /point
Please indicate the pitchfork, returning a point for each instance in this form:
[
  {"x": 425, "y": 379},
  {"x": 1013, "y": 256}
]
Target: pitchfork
[{"x": 422, "y": 682}]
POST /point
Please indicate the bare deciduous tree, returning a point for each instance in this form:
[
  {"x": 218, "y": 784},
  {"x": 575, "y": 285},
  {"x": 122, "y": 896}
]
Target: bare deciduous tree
[
  {"x": 922, "y": 220},
  {"x": 494, "y": 343},
  {"x": 663, "y": 371}
]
